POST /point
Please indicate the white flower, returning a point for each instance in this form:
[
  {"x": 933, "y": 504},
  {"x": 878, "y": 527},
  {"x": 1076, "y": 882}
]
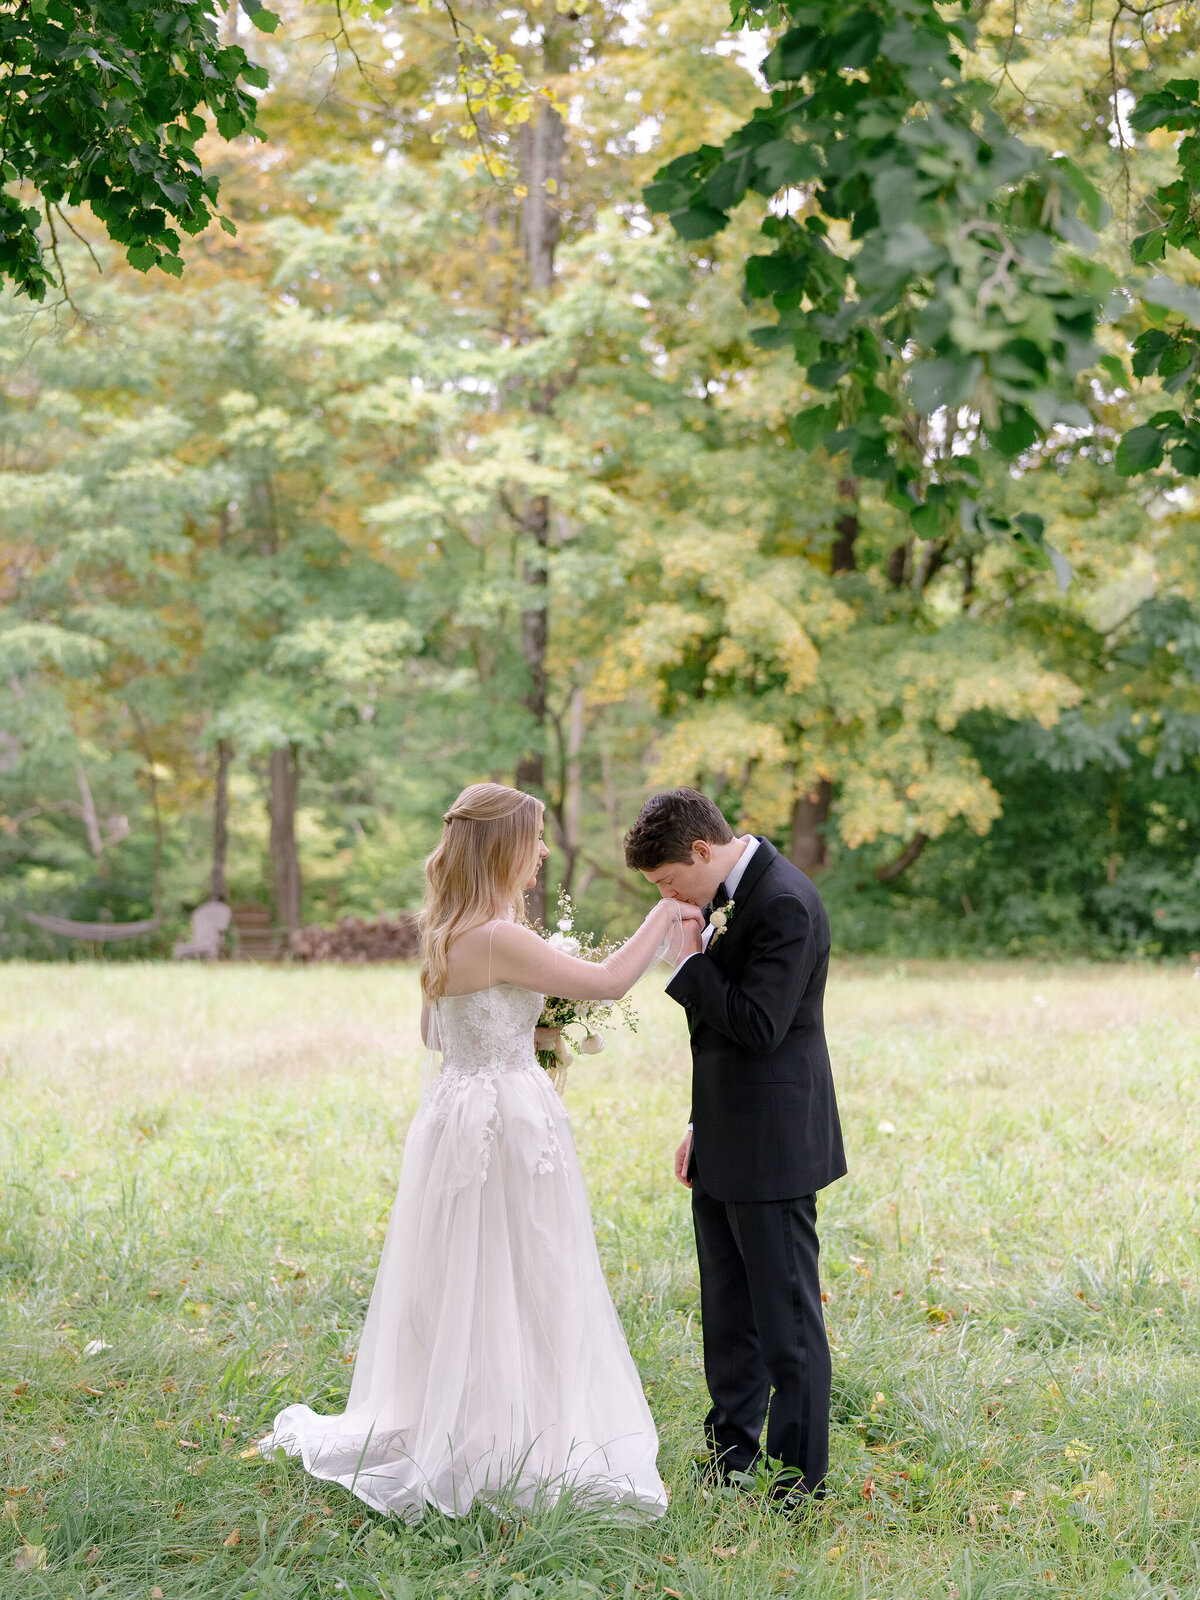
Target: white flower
[
  {"x": 565, "y": 943},
  {"x": 565, "y": 924},
  {"x": 886, "y": 1127},
  {"x": 592, "y": 1045},
  {"x": 719, "y": 918},
  {"x": 94, "y": 1346}
]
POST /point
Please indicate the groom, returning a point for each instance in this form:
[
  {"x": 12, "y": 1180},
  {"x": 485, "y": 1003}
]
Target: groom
[{"x": 764, "y": 1134}]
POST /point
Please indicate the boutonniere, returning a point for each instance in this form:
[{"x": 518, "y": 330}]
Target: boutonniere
[{"x": 719, "y": 921}]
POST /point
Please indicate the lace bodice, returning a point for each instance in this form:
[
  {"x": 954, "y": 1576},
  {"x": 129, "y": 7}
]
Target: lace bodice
[{"x": 489, "y": 1031}]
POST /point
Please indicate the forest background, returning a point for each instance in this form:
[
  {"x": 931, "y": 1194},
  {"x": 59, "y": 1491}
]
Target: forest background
[{"x": 435, "y": 471}]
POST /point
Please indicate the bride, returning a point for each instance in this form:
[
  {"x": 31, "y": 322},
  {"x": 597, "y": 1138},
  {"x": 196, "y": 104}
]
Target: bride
[{"x": 492, "y": 1359}]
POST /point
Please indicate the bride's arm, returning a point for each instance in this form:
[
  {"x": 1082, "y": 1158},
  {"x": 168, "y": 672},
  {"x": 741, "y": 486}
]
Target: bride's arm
[{"x": 520, "y": 957}]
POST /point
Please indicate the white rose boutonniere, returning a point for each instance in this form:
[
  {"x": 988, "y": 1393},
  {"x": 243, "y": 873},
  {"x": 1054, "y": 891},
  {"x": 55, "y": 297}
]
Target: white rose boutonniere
[{"x": 719, "y": 921}]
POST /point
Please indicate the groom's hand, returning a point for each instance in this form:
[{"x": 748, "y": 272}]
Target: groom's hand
[
  {"x": 692, "y": 930},
  {"x": 682, "y": 1156}
]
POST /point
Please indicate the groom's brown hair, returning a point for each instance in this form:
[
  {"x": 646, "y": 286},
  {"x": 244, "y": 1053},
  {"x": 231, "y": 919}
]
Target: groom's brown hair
[{"x": 669, "y": 824}]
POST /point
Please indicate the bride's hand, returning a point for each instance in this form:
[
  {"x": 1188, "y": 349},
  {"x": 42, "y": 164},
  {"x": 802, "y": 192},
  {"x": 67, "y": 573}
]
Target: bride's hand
[{"x": 684, "y": 925}]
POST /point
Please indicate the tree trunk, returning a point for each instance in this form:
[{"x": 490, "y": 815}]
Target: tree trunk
[
  {"x": 220, "y": 835},
  {"x": 899, "y": 564},
  {"x": 933, "y": 559},
  {"x": 810, "y": 815},
  {"x": 285, "y": 858},
  {"x": 572, "y": 792},
  {"x": 535, "y": 635},
  {"x": 87, "y": 810},
  {"x": 891, "y": 870},
  {"x": 843, "y": 557},
  {"x": 542, "y": 142}
]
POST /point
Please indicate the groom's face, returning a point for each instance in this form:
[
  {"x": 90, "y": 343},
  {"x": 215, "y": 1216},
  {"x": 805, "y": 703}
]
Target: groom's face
[{"x": 694, "y": 882}]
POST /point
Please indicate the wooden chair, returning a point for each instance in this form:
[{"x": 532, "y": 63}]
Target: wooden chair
[
  {"x": 255, "y": 936},
  {"x": 209, "y": 923}
]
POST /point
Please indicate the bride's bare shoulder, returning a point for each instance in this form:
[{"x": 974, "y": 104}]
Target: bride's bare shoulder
[{"x": 499, "y": 935}]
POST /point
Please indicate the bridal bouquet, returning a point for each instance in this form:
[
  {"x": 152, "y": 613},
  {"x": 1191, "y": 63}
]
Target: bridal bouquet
[{"x": 586, "y": 1014}]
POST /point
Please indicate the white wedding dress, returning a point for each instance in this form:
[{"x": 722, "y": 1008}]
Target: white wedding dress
[{"x": 492, "y": 1363}]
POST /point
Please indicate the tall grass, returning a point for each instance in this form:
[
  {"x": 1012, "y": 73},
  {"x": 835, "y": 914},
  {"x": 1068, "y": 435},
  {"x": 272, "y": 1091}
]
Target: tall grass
[{"x": 196, "y": 1168}]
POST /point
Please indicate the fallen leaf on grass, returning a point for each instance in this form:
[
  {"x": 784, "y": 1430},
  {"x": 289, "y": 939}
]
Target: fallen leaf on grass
[
  {"x": 868, "y": 1489},
  {"x": 94, "y": 1346},
  {"x": 233, "y": 1540},
  {"x": 186, "y": 1444},
  {"x": 244, "y": 1455},
  {"x": 156, "y": 1593},
  {"x": 30, "y": 1558},
  {"x": 725, "y": 1551},
  {"x": 837, "y": 1552},
  {"x": 674, "y": 1593},
  {"x": 93, "y": 1555},
  {"x": 1017, "y": 1497},
  {"x": 1099, "y": 1487}
]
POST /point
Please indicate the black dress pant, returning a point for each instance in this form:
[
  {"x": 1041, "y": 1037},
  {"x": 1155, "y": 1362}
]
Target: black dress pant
[{"x": 766, "y": 1353}]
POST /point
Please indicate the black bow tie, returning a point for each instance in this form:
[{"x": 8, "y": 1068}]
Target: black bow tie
[{"x": 721, "y": 898}]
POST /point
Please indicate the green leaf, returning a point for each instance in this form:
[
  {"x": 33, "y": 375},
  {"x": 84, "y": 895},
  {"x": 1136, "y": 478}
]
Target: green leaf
[
  {"x": 1185, "y": 456},
  {"x": 869, "y": 455},
  {"x": 1016, "y": 432},
  {"x": 911, "y": 250},
  {"x": 794, "y": 55},
  {"x": 1171, "y": 296},
  {"x": 1063, "y": 571},
  {"x": 1148, "y": 247},
  {"x": 772, "y": 337},
  {"x": 1172, "y": 106},
  {"x": 727, "y": 185},
  {"x": 1140, "y": 450},
  {"x": 782, "y": 164},
  {"x": 229, "y": 225},
  {"x": 777, "y": 274},
  {"x": 926, "y": 520},
  {"x": 141, "y": 256},
  {"x": 811, "y": 426},
  {"x": 668, "y": 194},
  {"x": 1031, "y": 526},
  {"x": 698, "y": 222},
  {"x": 946, "y": 381},
  {"x": 266, "y": 21}
]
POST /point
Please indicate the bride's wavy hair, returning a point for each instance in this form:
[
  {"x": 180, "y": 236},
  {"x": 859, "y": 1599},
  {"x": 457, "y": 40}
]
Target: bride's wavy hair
[{"x": 478, "y": 872}]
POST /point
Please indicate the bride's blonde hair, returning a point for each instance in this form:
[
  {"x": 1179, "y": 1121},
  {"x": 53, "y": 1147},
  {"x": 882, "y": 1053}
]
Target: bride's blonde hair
[{"x": 488, "y": 853}]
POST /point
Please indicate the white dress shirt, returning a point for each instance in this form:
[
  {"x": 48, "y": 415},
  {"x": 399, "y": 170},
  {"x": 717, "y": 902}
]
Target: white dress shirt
[{"x": 749, "y": 846}]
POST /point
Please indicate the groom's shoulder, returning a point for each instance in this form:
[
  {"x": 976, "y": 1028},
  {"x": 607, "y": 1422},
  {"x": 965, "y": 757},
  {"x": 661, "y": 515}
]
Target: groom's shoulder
[{"x": 784, "y": 877}]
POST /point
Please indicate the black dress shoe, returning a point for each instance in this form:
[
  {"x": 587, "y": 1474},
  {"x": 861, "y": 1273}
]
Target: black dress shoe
[{"x": 794, "y": 1499}]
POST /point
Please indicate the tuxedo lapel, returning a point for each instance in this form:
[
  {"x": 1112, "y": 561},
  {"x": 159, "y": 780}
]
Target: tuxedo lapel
[{"x": 751, "y": 878}]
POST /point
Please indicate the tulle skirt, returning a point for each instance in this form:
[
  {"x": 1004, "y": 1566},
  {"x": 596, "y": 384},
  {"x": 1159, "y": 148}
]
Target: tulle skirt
[{"x": 492, "y": 1365}]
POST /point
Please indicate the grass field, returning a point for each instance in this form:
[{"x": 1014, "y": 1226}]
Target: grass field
[{"x": 197, "y": 1167}]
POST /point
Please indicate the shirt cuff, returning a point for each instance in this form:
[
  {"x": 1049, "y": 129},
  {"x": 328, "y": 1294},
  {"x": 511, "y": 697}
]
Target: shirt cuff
[{"x": 683, "y": 963}]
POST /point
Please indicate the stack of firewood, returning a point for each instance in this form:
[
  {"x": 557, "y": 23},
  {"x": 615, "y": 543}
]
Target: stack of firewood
[{"x": 388, "y": 939}]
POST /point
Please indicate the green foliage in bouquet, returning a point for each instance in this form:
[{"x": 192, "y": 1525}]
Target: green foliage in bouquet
[{"x": 586, "y": 1014}]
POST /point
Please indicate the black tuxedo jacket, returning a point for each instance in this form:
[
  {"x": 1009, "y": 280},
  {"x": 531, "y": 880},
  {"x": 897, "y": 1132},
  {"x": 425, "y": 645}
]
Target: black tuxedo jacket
[{"x": 764, "y": 1113}]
